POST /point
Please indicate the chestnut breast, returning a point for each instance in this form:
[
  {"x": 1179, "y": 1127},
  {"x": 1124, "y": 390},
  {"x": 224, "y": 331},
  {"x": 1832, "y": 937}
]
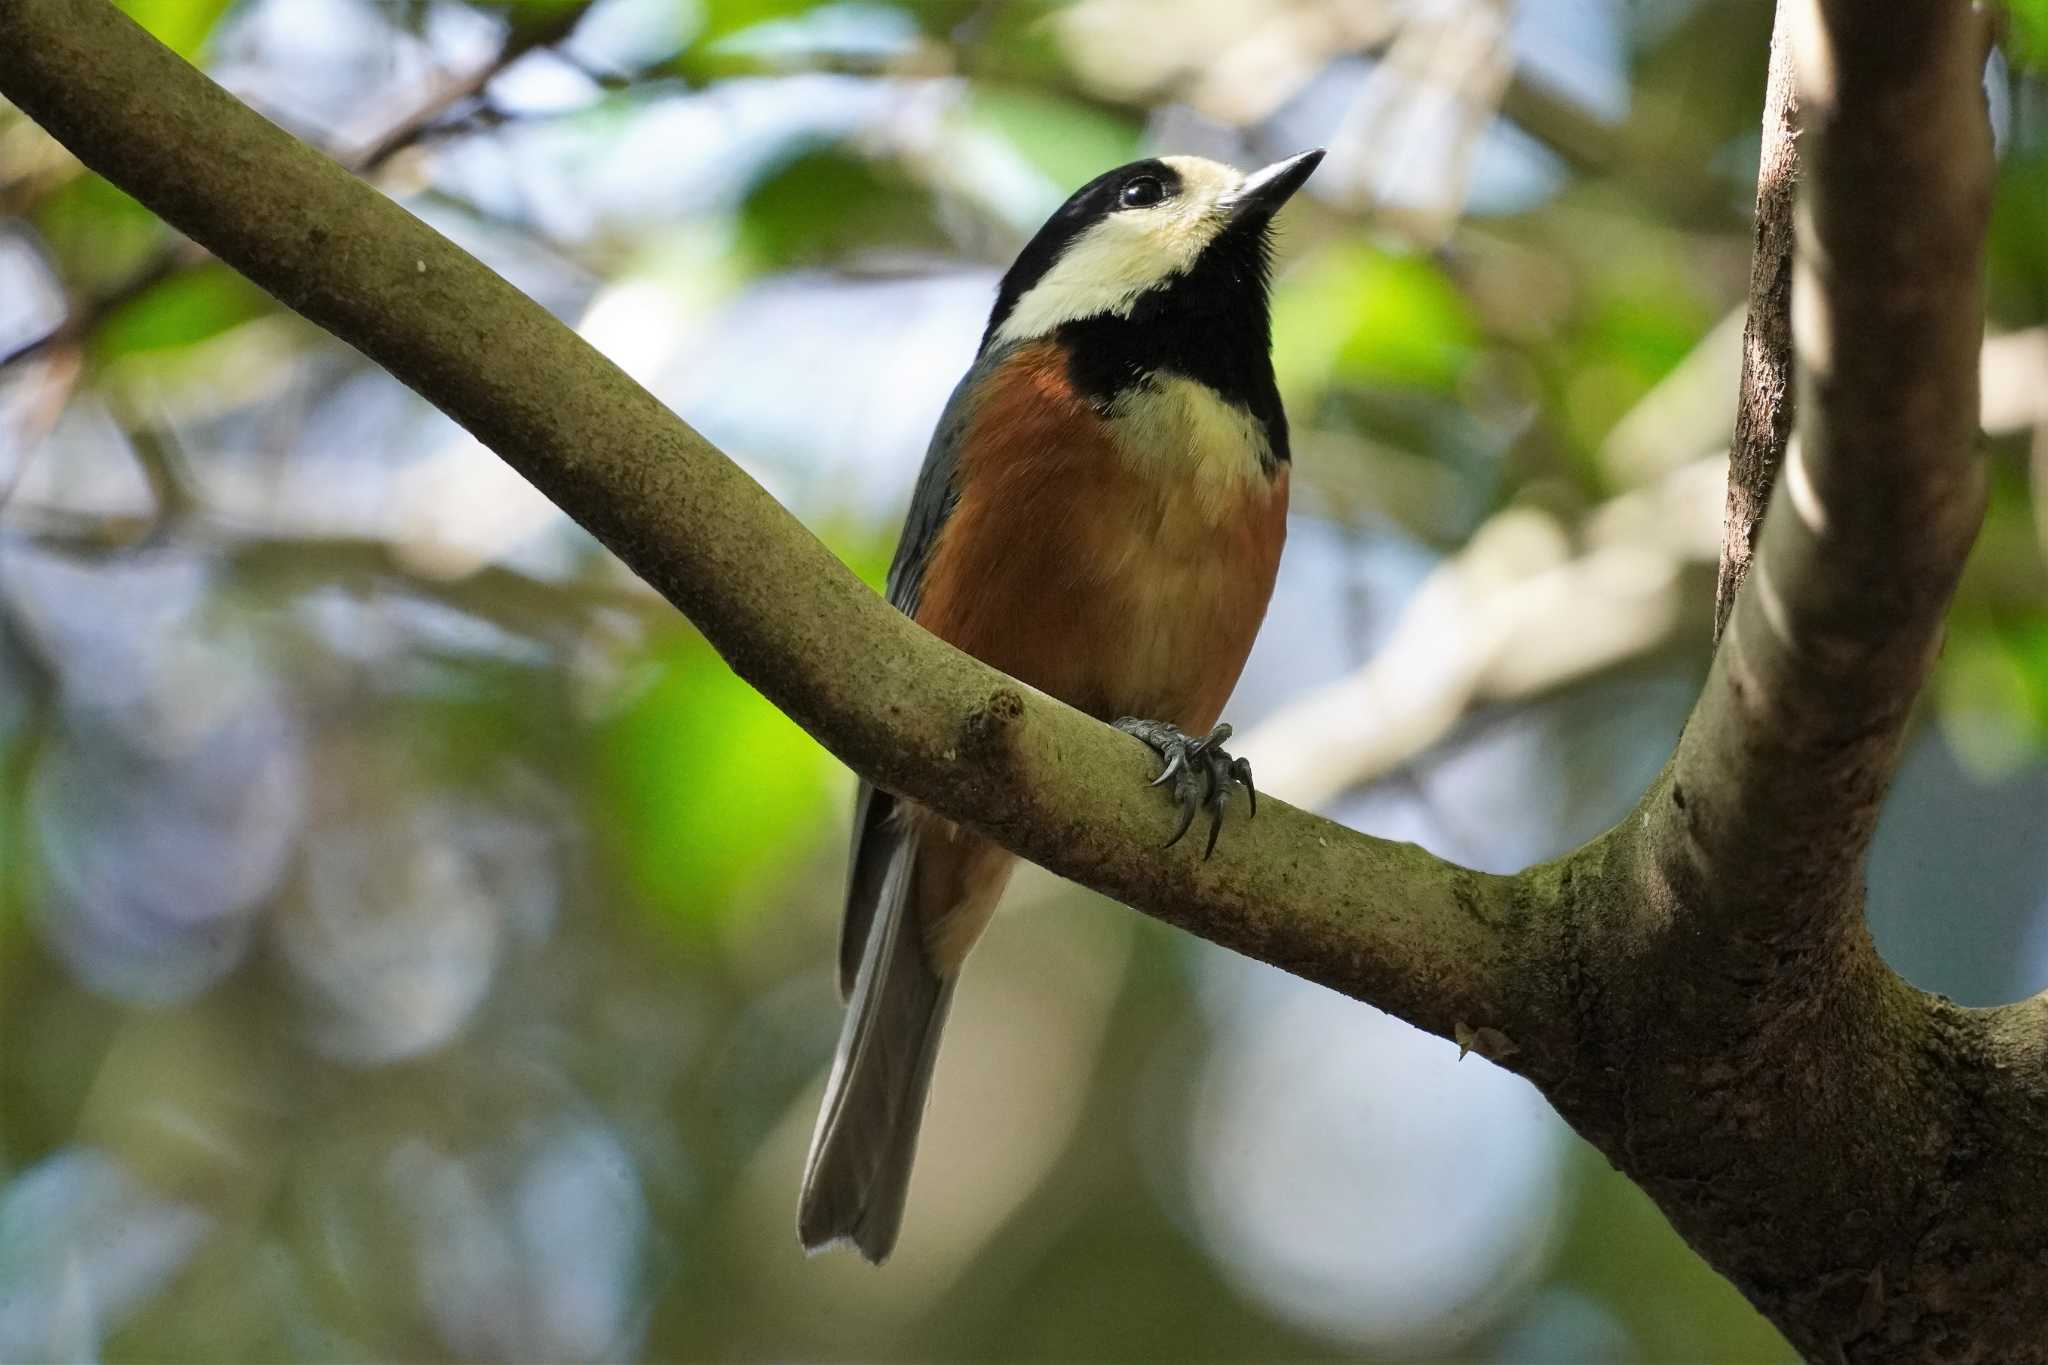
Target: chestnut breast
[{"x": 1120, "y": 562}]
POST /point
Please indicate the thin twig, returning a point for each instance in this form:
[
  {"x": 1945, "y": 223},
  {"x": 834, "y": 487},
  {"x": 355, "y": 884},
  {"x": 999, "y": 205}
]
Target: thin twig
[
  {"x": 517, "y": 602},
  {"x": 178, "y": 254},
  {"x": 416, "y": 125}
]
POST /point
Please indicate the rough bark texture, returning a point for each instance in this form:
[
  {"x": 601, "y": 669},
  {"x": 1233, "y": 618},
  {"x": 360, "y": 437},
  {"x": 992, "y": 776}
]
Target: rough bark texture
[
  {"x": 1764, "y": 405},
  {"x": 1694, "y": 990}
]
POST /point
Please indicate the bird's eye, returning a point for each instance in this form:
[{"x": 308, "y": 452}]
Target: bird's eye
[{"x": 1143, "y": 190}]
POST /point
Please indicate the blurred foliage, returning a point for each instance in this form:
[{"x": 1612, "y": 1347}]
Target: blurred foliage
[
  {"x": 1066, "y": 141},
  {"x": 783, "y": 229},
  {"x": 416, "y": 943},
  {"x": 2017, "y": 273},
  {"x": 1994, "y": 693},
  {"x": 1365, "y": 317},
  {"x": 2027, "y": 37},
  {"x": 181, "y": 25},
  {"x": 97, "y": 234},
  {"x": 715, "y": 22},
  {"x": 700, "y": 783},
  {"x": 182, "y": 310}
]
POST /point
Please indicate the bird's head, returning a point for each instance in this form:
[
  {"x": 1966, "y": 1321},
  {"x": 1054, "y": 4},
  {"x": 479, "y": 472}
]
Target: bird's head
[
  {"x": 1169, "y": 239},
  {"x": 1151, "y": 282}
]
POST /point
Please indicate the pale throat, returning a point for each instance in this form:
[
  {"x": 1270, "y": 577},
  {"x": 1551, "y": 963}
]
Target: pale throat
[
  {"x": 1183, "y": 433},
  {"x": 1103, "y": 271}
]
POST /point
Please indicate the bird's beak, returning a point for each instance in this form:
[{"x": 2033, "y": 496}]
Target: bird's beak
[{"x": 1264, "y": 191}]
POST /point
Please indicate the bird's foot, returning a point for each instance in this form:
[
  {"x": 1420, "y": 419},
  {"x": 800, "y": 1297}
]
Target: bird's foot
[{"x": 1191, "y": 763}]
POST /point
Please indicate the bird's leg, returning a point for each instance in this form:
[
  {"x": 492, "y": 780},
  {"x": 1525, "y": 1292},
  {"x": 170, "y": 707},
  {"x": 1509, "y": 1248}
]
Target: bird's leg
[{"x": 1185, "y": 757}]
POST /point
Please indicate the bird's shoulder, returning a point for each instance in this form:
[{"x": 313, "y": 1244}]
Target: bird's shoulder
[{"x": 1015, "y": 398}]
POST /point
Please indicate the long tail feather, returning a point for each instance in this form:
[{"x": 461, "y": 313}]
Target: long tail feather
[{"x": 858, "y": 1172}]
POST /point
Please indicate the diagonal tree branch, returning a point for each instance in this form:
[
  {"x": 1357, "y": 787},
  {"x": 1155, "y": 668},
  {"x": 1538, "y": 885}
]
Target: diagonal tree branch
[{"x": 1382, "y": 921}]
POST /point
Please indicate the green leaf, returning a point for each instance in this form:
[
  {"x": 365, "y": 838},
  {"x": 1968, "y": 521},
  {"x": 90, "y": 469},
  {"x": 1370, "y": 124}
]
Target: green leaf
[
  {"x": 704, "y": 786},
  {"x": 828, "y": 204},
  {"x": 1991, "y": 692},
  {"x": 1358, "y": 315},
  {"x": 1013, "y": 43},
  {"x": 21, "y": 736},
  {"x": 2028, "y": 643},
  {"x": 99, "y": 235},
  {"x": 2027, "y": 33},
  {"x": 2016, "y": 264},
  {"x": 180, "y": 25},
  {"x": 527, "y": 15},
  {"x": 724, "y": 18},
  {"x": 1649, "y": 329},
  {"x": 187, "y": 307},
  {"x": 711, "y": 22}
]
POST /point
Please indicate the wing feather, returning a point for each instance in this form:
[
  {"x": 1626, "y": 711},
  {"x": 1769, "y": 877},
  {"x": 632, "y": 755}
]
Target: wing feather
[{"x": 931, "y": 502}]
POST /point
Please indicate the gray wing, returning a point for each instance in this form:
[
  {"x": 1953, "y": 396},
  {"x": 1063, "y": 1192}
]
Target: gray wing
[
  {"x": 875, "y": 834},
  {"x": 931, "y": 501}
]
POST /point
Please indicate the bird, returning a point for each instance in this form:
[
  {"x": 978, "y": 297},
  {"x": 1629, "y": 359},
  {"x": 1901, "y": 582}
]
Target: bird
[{"x": 1100, "y": 515}]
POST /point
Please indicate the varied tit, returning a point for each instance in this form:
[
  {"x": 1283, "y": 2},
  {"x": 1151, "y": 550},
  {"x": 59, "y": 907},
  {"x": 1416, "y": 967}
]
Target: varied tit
[{"x": 1100, "y": 515}]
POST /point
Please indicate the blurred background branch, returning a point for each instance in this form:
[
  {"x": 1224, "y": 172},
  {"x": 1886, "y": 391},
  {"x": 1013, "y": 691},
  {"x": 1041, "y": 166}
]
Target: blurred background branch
[
  {"x": 554, "y": 23},
  {"x": 449, "y": 95}
]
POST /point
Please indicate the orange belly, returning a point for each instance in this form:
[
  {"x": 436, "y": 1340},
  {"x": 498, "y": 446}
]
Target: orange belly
[{"x": 1120, "y": 586}]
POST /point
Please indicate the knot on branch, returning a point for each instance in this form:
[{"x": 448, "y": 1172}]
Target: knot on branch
[{"x": 986, "y": 732}]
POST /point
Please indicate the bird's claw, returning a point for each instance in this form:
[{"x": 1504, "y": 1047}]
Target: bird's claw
[
  {"x": 1184, "y": 757},
  {"x": 1176, "y": 763}
]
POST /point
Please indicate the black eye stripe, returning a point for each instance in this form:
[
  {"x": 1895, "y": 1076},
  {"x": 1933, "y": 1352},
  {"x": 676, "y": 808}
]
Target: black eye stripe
[{"x": 1088, "y": 205}]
